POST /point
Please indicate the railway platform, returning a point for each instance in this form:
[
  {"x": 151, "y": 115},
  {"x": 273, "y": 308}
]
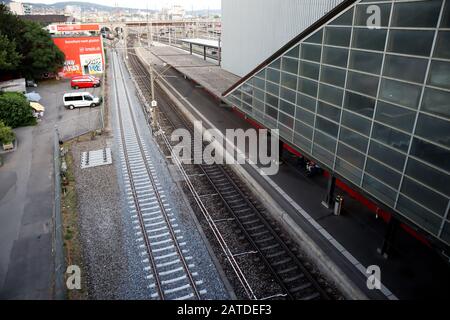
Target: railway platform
[
  {"x": 205, "y": 73},
  {"x": 351, "y": 240}
]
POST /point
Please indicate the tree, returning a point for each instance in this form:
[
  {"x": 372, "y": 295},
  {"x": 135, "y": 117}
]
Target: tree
[
  {"x": 37, "y": 54},
  {"x": 6, "y": 134},
  {"x": 40, "y": 54},
  {"x": 9, "y": 58},
  {"x": 15, "y": 110}
]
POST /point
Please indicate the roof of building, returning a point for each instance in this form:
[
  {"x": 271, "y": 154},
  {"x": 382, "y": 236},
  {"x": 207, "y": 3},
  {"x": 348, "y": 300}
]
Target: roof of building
[
  {"x": 203, "y": 42},
  {"x": 330, "y": 15},
  {"x": 46, "y": 19}
]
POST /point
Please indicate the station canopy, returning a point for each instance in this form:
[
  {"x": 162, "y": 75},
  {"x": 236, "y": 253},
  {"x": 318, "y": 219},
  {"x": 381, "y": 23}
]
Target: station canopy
[{"x": 209, "y": 43}]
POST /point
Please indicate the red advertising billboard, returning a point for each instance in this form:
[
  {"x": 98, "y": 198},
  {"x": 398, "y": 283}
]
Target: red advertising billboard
[{"x": 84, "y": 55}]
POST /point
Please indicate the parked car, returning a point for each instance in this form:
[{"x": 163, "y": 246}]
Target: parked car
[
  {"x": 81, "y": 99},
  {"x": 31, "y": 83},
  {"x": 85, "y": 82}
]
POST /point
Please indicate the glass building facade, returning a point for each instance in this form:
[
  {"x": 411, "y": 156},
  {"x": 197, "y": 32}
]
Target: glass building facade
[{"x": 372, "y": 105}]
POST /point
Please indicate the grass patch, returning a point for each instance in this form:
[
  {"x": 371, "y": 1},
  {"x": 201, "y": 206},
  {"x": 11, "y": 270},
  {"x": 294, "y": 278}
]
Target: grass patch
[{"x": 72, "y": 244}]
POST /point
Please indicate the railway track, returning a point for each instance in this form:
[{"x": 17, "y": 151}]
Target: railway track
[
  {"x": 292, "y": 277},
  {"x": 164, "y": 254}
]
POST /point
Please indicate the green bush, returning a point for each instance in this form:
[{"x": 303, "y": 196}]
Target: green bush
[
  {"x": 15, "y": 110},
  {"x": 6, "y": 134}
]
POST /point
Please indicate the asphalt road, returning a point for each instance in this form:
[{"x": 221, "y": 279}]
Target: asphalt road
[{"x": 27, "y": 197}]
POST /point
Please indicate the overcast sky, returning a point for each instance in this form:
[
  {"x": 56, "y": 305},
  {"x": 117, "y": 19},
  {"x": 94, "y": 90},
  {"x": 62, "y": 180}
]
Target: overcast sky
[{"x": 142, "y": 4}]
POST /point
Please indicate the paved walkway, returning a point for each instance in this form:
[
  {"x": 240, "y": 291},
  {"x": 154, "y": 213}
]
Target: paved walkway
[
  {"x": 27, "y": 200},
  {"x": 413, "y": 270}
]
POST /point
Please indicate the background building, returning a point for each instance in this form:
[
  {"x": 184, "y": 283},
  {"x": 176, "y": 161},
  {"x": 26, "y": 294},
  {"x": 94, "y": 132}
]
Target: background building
[
  {"x": 371, "y": 106},
  {"x": 254, "y": 29},
  {"x": 16, "y": 8}
]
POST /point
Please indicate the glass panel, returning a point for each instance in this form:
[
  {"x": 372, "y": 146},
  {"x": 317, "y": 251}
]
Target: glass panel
[
  {"x": 354, "y": 157},
  {"x": 272, "y": 100},
  {"x": 445, "y": 235},
  {"x": 405, "y": 68},
  {"x": 259, "y": 94},
  {"x": 366, "y": 61},
  {"x": 353, "y": 139},
  {"x": 362, "y": 83},
  {"x": 383, "y": 173},
  {"x": 327, "y": 126},
  {"x": 386, "y": 155},
  {"x": 440, "y": 74},
  {"x": 307, "y": 86},
  {"x": 397, "y": 117},
  {"x": 302, "y": 142},
  {"x": 276, "y": 64},
  {"x": 348, "y": 171},
  {"x": 359, "y": 104},
  {"x": 311, "y": 52},
  {"x": 315, "y": 37},
  {"x": 305, "y": 116},
  {"x": 273, "y": 88},
  {"x": 431, "y": 153},
  {"x": 294, "y": 52},
  {"x": 306, "y": 102},
  {"x": 328, "y": 111},
  {"x": 445, "y": 21},
  {"x": 419, "y": 14},
  {"x": 414, "y": 42},
  {"x": 337, "y": 36},
  {"x": 323, "y": 155},
  {"x": 362, "y": 16},
  {"x": 289, "y": 81},
  {"x": 303, "y": 129},
  {"x": 365, "y": 38},
  {"x": 433, "y": 129},
  {"x": 356, "y": 122},
  {"x": 428, "y": 175},
  {"x": 290, "y": 65},
  {"x": 272, "y": 112},
  {"x": 333, "y": 76},
  {"x": 404, "y": 94},
  {"x": 261, "y": 74},
  {"x": 273, "y": 75},
  {"x": 246, "y": 98},
  {"x": 285, "y": 132},
  {"x": 286, "y": 120},
  {"x": 419, "y": 215},
  {"x": 325, "y": 141},
  {"x": 344, "y": 19},
  {"x": 379, "y": 190},
  {"x": 391, "y": 137},
  {"x": 331, "y": 94},
  {"x": 335, "y": 56},
  {"x": 258, "y": 105},
  {"x": 442, "y": 47},
  {"x": 424, "y": 196},
  {"x": 309, "y": 70},
  {"x": 287, "y": 107},
  {"x": 288, "y": 94},
  {"x": 437, "y": 102},
  {"x": 259, "y": 83}
]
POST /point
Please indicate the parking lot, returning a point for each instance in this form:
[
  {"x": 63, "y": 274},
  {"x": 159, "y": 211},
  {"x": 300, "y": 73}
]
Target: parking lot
[{"x": 27, "y": 194}]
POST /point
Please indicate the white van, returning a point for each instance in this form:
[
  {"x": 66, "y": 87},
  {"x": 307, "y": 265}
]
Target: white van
[{"x": 80, "y": 99}]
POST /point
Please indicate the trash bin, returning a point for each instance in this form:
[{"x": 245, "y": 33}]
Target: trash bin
[{"x": 338, "y": 205}]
